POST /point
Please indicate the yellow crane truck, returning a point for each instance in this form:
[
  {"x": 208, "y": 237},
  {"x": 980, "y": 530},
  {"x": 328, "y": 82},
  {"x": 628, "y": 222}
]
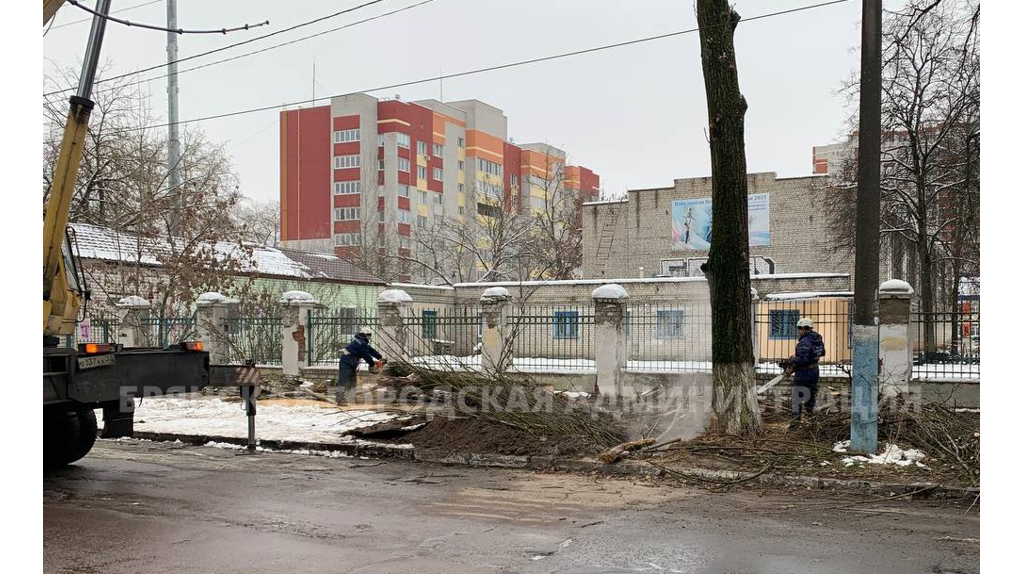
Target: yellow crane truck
[{"x": 77, "y": 381}]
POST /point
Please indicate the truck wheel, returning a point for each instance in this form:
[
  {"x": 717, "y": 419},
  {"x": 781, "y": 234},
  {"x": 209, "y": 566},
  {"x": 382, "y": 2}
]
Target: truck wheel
[{"x": 68, "y": 435}]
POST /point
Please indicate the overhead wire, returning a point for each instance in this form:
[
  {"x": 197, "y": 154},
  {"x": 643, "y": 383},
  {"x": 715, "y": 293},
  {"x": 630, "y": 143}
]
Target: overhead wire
[
  {"x": 131, "y": 24},
  {"x": 84, "y": 20},
  {"x": 229, "y": 46},
  {"x": 488, "y": 68},
  {"x": 282, "y": 44}
]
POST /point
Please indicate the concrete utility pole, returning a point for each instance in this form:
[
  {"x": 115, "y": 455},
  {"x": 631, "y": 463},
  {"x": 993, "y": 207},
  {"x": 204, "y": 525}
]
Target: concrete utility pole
[
  {"x": 173, "y": 140},
  {"x": 864, "y": 399}
]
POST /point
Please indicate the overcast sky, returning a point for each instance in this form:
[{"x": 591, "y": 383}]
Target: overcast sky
[{"x": 635, "y": 115}]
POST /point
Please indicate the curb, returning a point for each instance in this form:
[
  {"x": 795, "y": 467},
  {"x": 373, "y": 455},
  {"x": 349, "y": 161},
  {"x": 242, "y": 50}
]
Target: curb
[{"x": 624, "y": 468}]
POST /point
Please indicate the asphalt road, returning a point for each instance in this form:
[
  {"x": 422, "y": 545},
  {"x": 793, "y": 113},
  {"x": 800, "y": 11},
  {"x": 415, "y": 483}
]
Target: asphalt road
[{"x": 160, "y": 507}]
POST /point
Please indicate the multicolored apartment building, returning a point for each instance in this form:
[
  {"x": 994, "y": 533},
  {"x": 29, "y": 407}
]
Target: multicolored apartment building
[{"x": 362, "y": 168}]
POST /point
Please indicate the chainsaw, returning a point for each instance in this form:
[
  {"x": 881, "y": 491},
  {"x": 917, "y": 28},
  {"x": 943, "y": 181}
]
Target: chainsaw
[{"x": 787, "y": 370}]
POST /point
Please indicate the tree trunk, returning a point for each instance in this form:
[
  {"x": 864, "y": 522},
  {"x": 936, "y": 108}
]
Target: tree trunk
[{"x": 735, "y": 402}]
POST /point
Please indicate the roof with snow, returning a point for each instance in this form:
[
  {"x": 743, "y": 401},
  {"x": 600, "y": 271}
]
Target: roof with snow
[{"x": 105, "y": 244}]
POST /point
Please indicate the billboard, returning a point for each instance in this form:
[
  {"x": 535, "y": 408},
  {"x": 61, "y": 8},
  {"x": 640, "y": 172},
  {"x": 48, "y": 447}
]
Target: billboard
[{"x": 691, "y": 222}]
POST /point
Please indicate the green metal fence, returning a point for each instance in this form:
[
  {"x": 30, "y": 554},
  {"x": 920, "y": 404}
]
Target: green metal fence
[
  {"x": 256, "y": 339},
  {"x": 328, "y": 331},
  {"x": 167, "y": 331}
]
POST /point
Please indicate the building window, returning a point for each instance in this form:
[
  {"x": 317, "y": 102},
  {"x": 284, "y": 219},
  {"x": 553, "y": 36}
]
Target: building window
[
  {"x": 438, "y": 220},
  {"x": 567, "y": 324},
  {"x": 403, "y": 140},
  {"x": 380, "y": 140},
  {"x": 403, "y": 164},
  {"x": 346, "y": 239},
  {"x": 462, "y": 210},
  {"x": 462, "y": 143},
  {"x": 488, "y": 166},
  {"x": 404, "y": 216},
  {"x": 438, "y": 150},
  {"x": 346, "y": 213},
  {"x": 403, "y": 191},
  {"x": 404, "y": 243},
  {"x": 462, "y": 188},
  {"x": 421, "y": 172},
  {"x": 488, "y": 210},
  {"x": 380, "y": 165},
  {"x": 380, "y": 216},
  {"x": 671, "y": 324},
  {"x": 490, "y": 189},
  {"x": 462, "y": 165},
  {"x": 343, "y": 161},
  {"x": 438, "y": 174},
  {"x": 429, "y": 324},
  {"x": 342, "y": 136},
  {"x": 421, "y": 221},
  {"x": 514, "y": 180},
  {"x": 422, "y": 196},
  {"x": 421, "y": 147},
  {"x": 783, "y": 323},
  {"x": 346, "y": 187},
  {"x": 437, "y": 198}
]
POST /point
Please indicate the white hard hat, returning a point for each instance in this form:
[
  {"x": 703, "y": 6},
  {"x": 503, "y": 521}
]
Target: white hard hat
[
  {"x": 805, "y": 322},
  {"x": 365, "y": 331}
]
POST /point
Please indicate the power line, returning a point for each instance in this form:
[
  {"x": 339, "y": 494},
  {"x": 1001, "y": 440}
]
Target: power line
[
  {"x": 487, "y": 69},
  {"x": 275, "y": 46},
  {"x": 131, "y": 24},
  {"x": 83, "y": 20},
  {"x": 229, "y": 46}
]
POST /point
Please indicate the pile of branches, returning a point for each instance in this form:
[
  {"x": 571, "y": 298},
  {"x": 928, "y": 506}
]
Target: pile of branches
[
  {"x": 508, "y": 398},
  {"x": 952, "y": 439}
]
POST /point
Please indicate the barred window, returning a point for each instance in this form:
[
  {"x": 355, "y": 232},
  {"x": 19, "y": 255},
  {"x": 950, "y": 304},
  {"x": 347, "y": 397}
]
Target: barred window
[{"x": 671, "y": 324}]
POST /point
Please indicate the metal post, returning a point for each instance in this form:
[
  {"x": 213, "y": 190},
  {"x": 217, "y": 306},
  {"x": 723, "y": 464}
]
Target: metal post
[
  {"x": 92, "y": 50},
  {"x": 864, "y": 415},
  {"x": 173, "y": 141}
]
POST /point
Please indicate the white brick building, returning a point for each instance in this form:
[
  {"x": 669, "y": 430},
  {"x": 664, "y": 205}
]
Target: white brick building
[{"x": 634, "y": 237}]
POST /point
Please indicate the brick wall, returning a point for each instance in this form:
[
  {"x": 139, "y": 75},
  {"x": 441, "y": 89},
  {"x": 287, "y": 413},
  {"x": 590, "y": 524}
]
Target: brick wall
[{"x": 620, "y": 238}]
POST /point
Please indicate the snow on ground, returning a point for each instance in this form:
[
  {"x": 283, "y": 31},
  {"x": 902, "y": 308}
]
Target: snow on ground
[
  {"x": 930, "y": 372},
  {"x": 212, "y": 416},
  {"x": 891, "y": 454}
]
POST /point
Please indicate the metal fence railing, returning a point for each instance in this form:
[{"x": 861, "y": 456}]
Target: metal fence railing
[
  {"x": 92, "y": 330},
  {"x": 668, "y": 338},
  {"x": 660, "y": 336},
  {"x": 776, "y": 334},
  {"x": 167, "y": 331},
  {"x": 256, "y": 339},
  {"x": 328, "y": 331},
  {"x": 552, "y": 338},
  {"x": 444, "y": 332},
  {"x": 947, "y": 346}
]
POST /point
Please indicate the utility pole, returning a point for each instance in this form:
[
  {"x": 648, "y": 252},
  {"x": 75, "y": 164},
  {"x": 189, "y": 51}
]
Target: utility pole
[
  {"x": 173, "y": 140},
  {"x": 864, "y": 399}
]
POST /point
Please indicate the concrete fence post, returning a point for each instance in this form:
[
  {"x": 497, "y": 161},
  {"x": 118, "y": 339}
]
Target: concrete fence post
[
  {"x": 296, "y": 309},
  {"x": 494, "y": 305},
  {"x": 132, "y": 312},
  {"x": 212, "y": 311},
  {"x": 392, "y": 339},
  {"x": 895, "y": 345},
  {"x": 610, "y": 337}
]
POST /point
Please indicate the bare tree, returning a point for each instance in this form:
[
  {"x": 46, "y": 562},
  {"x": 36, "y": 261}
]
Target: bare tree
[
  {"x": 124, "y": 188},
  {"x": 557, "y": 222},
  {"x": 495, "y": 244},
  {"x": 930, "y": 151},
  {"x": 260, "y": 221},
  {"x": 734, "y": 401}
]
